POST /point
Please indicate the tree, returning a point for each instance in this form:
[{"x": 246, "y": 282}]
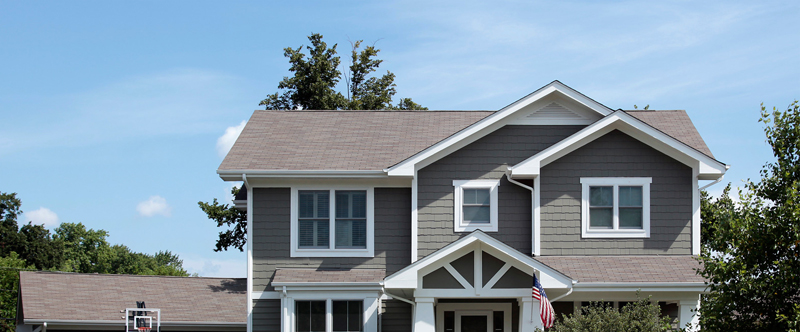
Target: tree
[
  {"x": 641, "y": 315},
  {"x": 313, "y": 86},
  {"x": 227, "y": 216},
  {"x": 751, "y": 253},
  {"x": 10, "y": 266}
]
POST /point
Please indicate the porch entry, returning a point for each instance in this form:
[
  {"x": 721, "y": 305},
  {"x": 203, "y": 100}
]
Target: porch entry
[{"x": 474, "y": 317}]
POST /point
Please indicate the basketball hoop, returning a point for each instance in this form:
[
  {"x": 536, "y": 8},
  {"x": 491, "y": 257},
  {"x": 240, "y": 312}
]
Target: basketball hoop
[{"x": 144, "y": 329}]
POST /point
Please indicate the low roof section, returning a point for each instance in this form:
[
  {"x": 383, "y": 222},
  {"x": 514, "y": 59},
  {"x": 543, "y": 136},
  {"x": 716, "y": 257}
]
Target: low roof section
[{"x": 78, "y": 301}]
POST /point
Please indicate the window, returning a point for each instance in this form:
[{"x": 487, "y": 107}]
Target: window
[
  {"x": 332, "y": 222},
  {"x": 475, "y": 205},
  {"x": 615, "y": 207},
  {"x": 347, "y": 316}
]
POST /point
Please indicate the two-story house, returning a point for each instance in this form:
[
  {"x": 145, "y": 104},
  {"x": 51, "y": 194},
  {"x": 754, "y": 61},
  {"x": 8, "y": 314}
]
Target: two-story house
[{"x": 437, "y": 220}]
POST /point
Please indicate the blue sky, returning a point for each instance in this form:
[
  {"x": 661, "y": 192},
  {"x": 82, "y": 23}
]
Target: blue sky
[{"x": 112, "y": 112}]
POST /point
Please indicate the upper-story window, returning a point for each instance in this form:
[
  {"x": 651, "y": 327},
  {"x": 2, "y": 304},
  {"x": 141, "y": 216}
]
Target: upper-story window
[
  {"x": 475, "y": 205},
  {"x": 615, "y": 207},
  {"x": 332, "y": 222}
]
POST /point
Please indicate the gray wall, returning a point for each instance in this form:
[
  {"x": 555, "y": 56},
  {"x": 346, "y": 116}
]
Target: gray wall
[
  {"x": 485, "y": 158},
  {"x": 271, "y": 235},
  {"x": 396, "y": 316},
  {"x": 267, "y": 315},
  {"x": 616, "y": 155}
]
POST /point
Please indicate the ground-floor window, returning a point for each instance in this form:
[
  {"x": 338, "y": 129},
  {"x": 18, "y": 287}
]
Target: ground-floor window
[{"x": 346, "y": 316}]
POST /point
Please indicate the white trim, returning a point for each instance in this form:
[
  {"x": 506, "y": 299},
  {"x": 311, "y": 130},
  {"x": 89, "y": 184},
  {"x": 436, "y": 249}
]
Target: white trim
[
  {"x": 485, "y": 313},
  {"x": 489, "y": 124},
  {"x": 695, "y": 213},
  {"x": 266, "y": 295},
  {"x": 369, "y": 306},
  {"x": 236, "y": 175},
  {"x": 472, "y": 307},
  {"x": 414, "y": 222},
  {"x": 710, "y": 168},
  {"x": 537, "y": 218},
  {"x": 564, "y": 113},
  {"x": 695, "y": 287},
  {"x": 250, "y": 223},
  {"x": 458, "y": 200},
  {"x": 615, "y": 232},
  {"x": 369, "y": 251}
]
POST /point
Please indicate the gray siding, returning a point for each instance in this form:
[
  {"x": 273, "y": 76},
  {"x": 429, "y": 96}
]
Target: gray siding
[
  {"x": 396, "y": 316},
  {"x": 271, "y": 235},
  {"x": 616, "y": 155},
  {"x": 485, "y": 158},
  {"x": 267, "y": 315}
]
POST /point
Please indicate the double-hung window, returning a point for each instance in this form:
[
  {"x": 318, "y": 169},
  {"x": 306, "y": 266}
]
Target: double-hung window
[
  {"x": 475, "y": 205},
  {"x": 615, "y": 207},
  {"x": 332, "y": 222},
  {"x": 346, "y": 316}
]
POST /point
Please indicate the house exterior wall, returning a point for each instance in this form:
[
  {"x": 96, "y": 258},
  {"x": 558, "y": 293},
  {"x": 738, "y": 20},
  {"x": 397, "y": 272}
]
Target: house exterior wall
[
  {"x": 266, "y": 316},
  {"x": 485, "y": 158},
  {"x": 271, "y": 235},
  {"x": 616, "y": 155},
  {"x": 396, "y": 316}
]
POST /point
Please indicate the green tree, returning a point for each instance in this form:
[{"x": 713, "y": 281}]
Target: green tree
[
  {"x": 10, "y": 265},
  {"x": 316, "y": 76},
  {"x": 227, "y": 216},
  {"x": 751, "y": 253},
  {"x": 641, "y": 315}
]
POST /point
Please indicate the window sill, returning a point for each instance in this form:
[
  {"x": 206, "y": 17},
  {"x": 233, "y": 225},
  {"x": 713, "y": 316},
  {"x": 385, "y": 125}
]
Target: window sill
[
  {"x": 471, "y": 228},
  {"x": 332, "y": 253},
  {"x": 622, "y": 234}
]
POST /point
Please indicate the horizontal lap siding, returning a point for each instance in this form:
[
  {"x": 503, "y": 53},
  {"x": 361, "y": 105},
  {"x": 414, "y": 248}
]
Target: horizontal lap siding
[
  {"x": 271, "y": 235},
  {"x": 266, "y": 315},
  {"x": 396, "y": 316},
  {"x": 485, "y": 158},
  {"x": 616, "y": 155}
]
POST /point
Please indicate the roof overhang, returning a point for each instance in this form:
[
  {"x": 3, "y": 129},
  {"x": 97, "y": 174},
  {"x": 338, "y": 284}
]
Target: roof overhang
[
  {"x": 493, "y": 122},
  {"x": 236, "y": 175},
  {"x": 699, "y": 287},
  {"x": 89, "y": 325},
  {"x": 407, "y": 278},
  {"x": 708, "y": 167}
]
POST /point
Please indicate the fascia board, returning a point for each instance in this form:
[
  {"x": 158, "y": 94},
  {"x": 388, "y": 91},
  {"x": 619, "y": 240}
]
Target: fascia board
[
  {"x": 236, "y": 175},
  {"x": 327, "y": 284},
  {"x": 643, "y": 286},
  {"x": 488, "y": 125},
  {"x": 634, "y": 128},
  {"x": 118, "y": 323}
]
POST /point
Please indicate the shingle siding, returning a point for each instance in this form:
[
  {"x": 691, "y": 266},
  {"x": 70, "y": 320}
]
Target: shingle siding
[
  {"x": 266, "y": 315},
  {"x": 616, "y": 155},
  {"x": 396, "y": 316},
  {"x": 485, "y": 158},
  {"x": 271, "y": 234}
]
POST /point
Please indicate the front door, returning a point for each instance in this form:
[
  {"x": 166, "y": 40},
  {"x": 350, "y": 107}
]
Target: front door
[
  {"x": 473, "y": 317},
  {"x": 473, "y": 321}
]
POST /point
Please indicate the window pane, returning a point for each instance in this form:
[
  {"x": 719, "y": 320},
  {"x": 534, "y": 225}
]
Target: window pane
[
  {"x": 630, "y": 218},
  {"x": 323, "y": 204},
  {"x": 310, "y": 316},
  {"x": 347, "y": 316},
  {"x": 476, "y": 196},
  {"x": 313, "y": 233},
  {"x": 313, "y": 204},
  {"x": 317, "y": 316},
  {"x": 600, "y": 218},
  {"x": 498, "y": 321},
  {"x": 476, "y": 214},
  {"x": 449, "y": 321},
  {"x": 630, "y": 196},
  {"x": 601, "y": 196},
  {"x": 306, "y": 204},
  {"x": 351, "y": 204},
  {"x": 351, "y": 233},
  {"x": 339, "y": 315}
]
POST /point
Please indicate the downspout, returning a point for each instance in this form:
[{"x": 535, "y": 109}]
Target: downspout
[
  {"x": 44, "y": 327},
  {"x": 533, "y": 208},
  {"x": 412, "y": 303},
  {"x": 712, "y": 183},
  {"x": 249, "y": 327},
  {"x": 571, "y": 288}
]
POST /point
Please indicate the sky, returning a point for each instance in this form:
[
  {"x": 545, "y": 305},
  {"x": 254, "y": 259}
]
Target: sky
[{"x": 117, "y": 114}]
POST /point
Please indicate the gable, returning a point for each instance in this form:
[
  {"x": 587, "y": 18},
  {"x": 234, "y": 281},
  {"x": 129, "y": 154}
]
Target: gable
[{"x": 556, "y": 111}]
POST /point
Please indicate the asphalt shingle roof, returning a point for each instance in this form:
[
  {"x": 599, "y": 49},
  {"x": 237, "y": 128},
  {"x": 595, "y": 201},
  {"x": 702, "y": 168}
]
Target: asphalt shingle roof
[
  {"x": 78, "y": 296},
  {"x": 625, "y": 268},
  {"x": 331, "y": 276},
  {"x": 675, "y": 123}
]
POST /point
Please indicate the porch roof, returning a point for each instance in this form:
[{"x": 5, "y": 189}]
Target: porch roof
[
  {"x": 617, "y": 269},
  {"x": 300, "y": 276}
]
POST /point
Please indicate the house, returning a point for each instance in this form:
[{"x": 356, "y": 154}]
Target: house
[
  {"x": 62, "y": 301},
  {"x": 437, "y": 220}
]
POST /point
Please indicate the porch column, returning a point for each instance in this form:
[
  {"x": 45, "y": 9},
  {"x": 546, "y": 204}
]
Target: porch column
[
  {"x": 529, "y": 319},
  {"x": 423, "y": 315},
  {"x": 689, "y": 317}
]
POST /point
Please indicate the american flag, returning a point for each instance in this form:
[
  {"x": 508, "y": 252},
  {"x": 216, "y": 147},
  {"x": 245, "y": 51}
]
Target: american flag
[{"x": 545, "y": 308}]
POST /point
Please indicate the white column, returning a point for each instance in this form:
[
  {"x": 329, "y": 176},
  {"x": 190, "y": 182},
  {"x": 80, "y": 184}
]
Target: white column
[
  {"x": 423, "y": 315},
  {"x": 328, "y": 315},
  {"x": 687, "y": 316},
  {"x": 529, "y": 319},
  {"x": 371, "y": 314}
]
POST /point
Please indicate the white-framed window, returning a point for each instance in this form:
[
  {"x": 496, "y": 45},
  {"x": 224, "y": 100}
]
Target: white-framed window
[
  {"x": 346, "y": 316},
  {"x": 332, "y": 222},
  {"x": 475, "y": 205},
  {"x": 615, "y": 207}
]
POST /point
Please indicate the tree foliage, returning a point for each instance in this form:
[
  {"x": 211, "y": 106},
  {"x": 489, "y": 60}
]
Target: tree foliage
[
  {"x": 316, "y": 76},
  {"x": 751, "y": 248},
  {"x": 227, "y": 216},
  {"x": 641, "y": 315}
]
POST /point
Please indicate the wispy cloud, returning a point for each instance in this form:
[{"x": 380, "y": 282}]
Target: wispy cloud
[
  {"x": 42, "y": 216},
  {"x": 231, "y": 267},
  {"x": 225, "y": 142},
  {"x": 155, "y": 205}
]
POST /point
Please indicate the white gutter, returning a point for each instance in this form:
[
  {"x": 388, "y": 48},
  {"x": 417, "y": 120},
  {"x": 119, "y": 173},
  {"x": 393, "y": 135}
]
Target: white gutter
[
  {"x": 712, "y": 183},
  {"x": 237, "y": 174},
  {"x": 571, "y": 288},
  {"x": 412, "y": 303}
]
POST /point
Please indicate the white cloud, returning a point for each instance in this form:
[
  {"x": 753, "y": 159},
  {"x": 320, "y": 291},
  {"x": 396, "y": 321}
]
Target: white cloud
[
  {"x": 42, "y": 216},
  {"x": 225, "y": 142},
  {"x": 155, "y": 205},
  {"x": 234, "y": 267}
]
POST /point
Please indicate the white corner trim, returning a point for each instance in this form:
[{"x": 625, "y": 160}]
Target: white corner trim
[
  {"x": 695, "y": 213},
  {"x": 369, "y": 251},
  {"x": 458, "y": 200},
  {"x": 537, "y": 218},
  {"x": 476, "y": 130},
  {"x": 250, "y": 223},
  {"x": 615, "y": 232},
  {"x": 414, "y": 222},
  {"x": 631, "y": 126}
]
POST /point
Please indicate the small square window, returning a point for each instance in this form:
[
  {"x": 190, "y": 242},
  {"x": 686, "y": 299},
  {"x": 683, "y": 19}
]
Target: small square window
[
  {"x": 616, "y": 207},
  {"x": 475, "y": 205}
]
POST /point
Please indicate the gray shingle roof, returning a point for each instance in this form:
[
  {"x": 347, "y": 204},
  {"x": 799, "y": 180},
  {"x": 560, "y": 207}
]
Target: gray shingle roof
[
  {"x": 328, "y": 276},
  {"x": 675, "y": 123},
  {"x": 340, "y": 140},
  {"x": 625, "y": 268},
  {"x": 78, "y": 296}
]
